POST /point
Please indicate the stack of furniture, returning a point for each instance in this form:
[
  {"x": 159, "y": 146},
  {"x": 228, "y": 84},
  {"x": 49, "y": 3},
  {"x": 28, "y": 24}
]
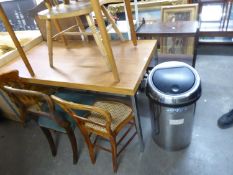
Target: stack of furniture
[
  {"x": 93, "y": 76},
  {"x": 100, "y": 119},
  {"x": 74, "y": 10}
]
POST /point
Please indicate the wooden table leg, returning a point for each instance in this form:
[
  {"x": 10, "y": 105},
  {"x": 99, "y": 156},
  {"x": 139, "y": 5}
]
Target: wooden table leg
[
  {"x": 98, "y": 14},
  {"x": 11, "y": 32},
  {"x": 131, "y": 24}
]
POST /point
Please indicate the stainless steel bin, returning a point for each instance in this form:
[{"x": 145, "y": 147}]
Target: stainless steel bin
[{"x": 173, "y": 89}]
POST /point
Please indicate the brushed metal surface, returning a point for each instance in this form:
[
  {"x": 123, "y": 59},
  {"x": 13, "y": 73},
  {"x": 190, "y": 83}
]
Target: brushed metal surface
[{"x": 187, "y": 97}]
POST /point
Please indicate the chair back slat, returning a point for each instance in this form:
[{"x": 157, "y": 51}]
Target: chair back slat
[
  {"x": 70, "y": 108},
  {"x": 11, "y": 79},
  {"x": 31, "y": 101},
  {"x": 36, "y": 103}
]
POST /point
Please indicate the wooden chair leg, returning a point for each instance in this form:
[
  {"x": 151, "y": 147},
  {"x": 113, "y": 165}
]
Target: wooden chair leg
[
  {"x": 49, "y": 5},
  {"x": 22, "y": 118},
  {"x": 98, "y": 40},
  {"x": 50, "y": 140},
  {"x": 114, "y": 153},
  {"x": 49, "y": 41},
  {"x": 110, "y": 19},
  {"x": 104, "y": 36},
  {"x": 96, "y": 36},
  {"x": 89, "y": 144},
  {"x": 131, "y": 24},
  {"x": 73, "y": 143},
  {"x": 81, "y": 28},
  {"x": 59, "y": 29}
]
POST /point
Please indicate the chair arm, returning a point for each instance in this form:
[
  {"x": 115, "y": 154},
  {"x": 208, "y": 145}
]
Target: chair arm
[{"x": 71, "y": 105}]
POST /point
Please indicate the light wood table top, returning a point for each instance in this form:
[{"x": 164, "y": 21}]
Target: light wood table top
[{"x": 81, "y": 66}]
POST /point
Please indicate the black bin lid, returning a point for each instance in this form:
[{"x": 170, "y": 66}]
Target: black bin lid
[{"x": 174, "y": 80}]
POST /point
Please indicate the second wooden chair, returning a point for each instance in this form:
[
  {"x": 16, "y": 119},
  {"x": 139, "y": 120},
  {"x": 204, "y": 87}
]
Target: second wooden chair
[{"x": 105, "y": 119}]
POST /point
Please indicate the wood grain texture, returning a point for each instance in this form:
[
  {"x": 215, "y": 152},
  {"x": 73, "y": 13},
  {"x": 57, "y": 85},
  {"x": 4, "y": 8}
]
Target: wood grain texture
[
  {"x": 131, "y": 24},
  {"x": 82, "y": 66},
  {"x": 66, "y": 11}
]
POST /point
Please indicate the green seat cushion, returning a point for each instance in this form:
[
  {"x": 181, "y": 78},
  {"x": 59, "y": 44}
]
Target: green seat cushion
[{"x": 69, "y": 95}]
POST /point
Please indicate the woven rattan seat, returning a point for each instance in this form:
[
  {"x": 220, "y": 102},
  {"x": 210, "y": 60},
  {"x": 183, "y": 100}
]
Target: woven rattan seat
[{"x": 119, "y": 112}]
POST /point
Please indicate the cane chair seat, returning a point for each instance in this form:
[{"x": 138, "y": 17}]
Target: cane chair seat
[{"x": 119, "y": 113}]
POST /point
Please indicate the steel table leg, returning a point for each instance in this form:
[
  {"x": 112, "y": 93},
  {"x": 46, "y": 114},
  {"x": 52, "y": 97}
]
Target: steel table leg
[{"x": 137, "y": 121}]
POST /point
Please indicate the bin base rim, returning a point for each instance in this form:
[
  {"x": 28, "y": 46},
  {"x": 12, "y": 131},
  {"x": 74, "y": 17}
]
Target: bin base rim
[{"x": 170, "y": 148}]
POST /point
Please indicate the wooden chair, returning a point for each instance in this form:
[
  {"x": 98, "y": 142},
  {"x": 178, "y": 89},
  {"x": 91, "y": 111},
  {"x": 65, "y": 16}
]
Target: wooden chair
[
  {"x": 74, "y": 10},
  {"x": 39, "y": 106},
  {"x": 105, "y": 119},
  {"x": 29, "y": 103}
]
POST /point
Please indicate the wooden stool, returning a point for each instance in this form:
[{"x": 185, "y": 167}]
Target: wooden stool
[{"x": 74, "y": 9}]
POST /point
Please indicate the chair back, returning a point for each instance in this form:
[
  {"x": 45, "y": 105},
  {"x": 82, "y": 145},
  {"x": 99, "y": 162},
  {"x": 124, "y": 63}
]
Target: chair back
[
  {"x": 36, "y": 103},
  {"x": 82, "y": 122},
  {"x": 10, "y": 79},
  {"x": 6, "y": 104}
]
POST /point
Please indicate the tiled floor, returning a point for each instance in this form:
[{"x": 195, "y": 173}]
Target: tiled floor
[{"x": 25, "y": 151}]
